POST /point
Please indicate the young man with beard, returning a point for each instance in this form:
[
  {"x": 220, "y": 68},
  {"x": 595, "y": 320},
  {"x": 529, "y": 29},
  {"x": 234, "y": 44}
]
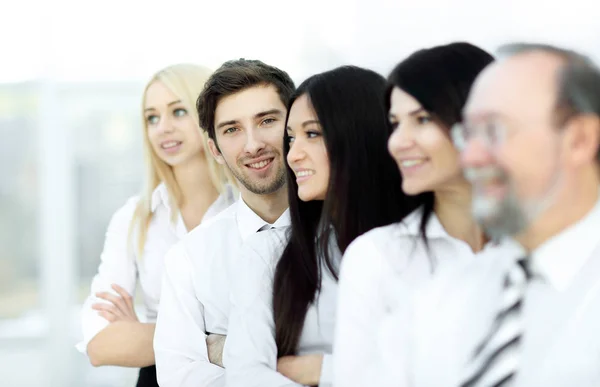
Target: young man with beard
[{"x": 243, "y": 108}]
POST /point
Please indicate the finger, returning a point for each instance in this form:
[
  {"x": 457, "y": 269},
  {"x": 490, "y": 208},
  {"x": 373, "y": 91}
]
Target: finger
[
  {"x": 124, "y": 294},
  {"x": 109, "y": 297},
  {"x": 115, "y": 300},
  {"x": 111, "y": 317},
  {"x": 107, "y": 308}
]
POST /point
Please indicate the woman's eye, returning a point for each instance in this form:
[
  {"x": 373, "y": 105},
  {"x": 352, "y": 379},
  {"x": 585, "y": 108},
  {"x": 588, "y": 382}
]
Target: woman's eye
[
  {"x": 180, "y": 112},
  {"x": 423, "y": 120}
]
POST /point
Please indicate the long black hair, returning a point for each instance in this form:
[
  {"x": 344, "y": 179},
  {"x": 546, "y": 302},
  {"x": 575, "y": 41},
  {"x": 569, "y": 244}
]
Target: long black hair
[
  {"x": 440, "y": 78},
  {"x": 364, "y": 191}
]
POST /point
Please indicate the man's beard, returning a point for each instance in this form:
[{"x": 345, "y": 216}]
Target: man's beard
[
  {"x": 506, "y": 215},
  {"x": 260, "y": 187}
]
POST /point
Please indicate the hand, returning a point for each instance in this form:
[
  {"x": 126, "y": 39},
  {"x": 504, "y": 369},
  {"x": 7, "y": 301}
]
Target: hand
[
  {"x": 305, "y": 370},
  {"x": 120, "y": 308},
  {"x": 214, "y": 345}
]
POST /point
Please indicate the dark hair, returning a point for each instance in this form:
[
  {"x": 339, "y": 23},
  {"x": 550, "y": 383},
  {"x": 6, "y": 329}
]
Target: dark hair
[
  {"x": 578, "y": 81},
  {"x": 234, "y": 76},
  {"x": 364, "y": 191},
  {"x": 440, "y": 78}
]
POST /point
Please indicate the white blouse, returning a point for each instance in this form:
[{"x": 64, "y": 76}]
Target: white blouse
[
  {"x": 380, "y": 273},
  {"x": 121, "y": 264},
  {"x": 250, "y": 354}
]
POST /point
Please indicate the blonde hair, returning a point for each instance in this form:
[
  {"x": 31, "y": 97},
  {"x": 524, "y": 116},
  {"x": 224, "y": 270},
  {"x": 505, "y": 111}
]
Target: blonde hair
[{"x": 186, "y": 81}]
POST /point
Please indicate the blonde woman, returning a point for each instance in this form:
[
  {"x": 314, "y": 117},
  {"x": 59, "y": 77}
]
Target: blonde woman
[{"x": 185, "y": 186}]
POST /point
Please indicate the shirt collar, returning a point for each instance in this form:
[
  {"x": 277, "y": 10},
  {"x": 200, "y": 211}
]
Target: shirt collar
[
  {"x": 560, "y": 259},
  {"x": 249, "y": 222},
  {"x": 160, "y": 196}
]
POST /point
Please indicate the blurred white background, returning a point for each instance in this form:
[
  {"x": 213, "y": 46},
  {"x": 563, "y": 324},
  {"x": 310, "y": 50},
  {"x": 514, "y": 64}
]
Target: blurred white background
[{"x": 71, "y": 75}]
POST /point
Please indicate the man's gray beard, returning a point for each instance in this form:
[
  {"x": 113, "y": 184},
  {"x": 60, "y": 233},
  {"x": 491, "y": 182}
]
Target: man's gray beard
[
  {"x": 500, "y": 218},
  {"x": 508, "y": 216}
]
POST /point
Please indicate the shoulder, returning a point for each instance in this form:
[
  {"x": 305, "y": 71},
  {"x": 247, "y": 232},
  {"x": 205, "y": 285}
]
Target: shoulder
[
  {"x": 215, "y": 229},
  {"x": 125, "y": 213},
  {"x": 381, "y": 236},
  {"x": 224, "y": 219},
  {"x": 393, "y": 244},
  {"x": 371, "y": 252}
]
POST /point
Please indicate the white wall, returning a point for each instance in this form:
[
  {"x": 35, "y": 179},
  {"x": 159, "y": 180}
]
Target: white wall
[{"x": 53, "y": 42}]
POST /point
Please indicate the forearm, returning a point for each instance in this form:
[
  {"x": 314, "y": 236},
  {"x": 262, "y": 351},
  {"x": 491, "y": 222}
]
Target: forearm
[{"x": 123, "y": 343}]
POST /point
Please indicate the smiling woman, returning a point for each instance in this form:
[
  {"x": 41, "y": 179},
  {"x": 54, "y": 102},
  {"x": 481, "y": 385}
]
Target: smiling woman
[
  {"x": 184, "y": 186},
  {"x": 284, "y": 305},
  {"x": 425, "y": 96},
  {"x": 308, "y": 154}
]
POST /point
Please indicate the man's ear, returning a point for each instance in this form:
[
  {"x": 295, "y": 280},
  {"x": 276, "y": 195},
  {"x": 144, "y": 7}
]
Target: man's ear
[
  {"x": 215, "y": 151},
  {"x": 584, "y": 139}
]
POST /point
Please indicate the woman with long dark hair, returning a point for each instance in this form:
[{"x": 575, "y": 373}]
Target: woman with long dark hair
[
  {"x": 341, "y": 183},
  {"x": 384, "y": 268}
]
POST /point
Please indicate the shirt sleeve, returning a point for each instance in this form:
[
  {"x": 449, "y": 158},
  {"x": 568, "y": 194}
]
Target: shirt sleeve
[
  {"x": 250, "y": 350},
  {"x": 360, "y": 307},
  {"x": 180, "y": 335},
  {"x": 326, "y": 378},
  {"x": 117, "y": 266}
]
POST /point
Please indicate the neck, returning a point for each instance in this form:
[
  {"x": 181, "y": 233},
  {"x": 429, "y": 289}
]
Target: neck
[
  {"x": 570, "y": 207},
  {"x": 270, "y": 206},
  {"x": 453, "y": 209},
  {"x": 195, "y": 183}
]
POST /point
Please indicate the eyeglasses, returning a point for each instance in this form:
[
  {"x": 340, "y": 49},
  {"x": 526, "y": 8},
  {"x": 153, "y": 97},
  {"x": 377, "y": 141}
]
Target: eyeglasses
[{"x": 493, "y": 133}]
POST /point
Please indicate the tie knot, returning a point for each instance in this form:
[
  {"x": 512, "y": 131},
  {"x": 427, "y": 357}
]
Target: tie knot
[
  {"x": 525, "y": 263},
  {"x": 518, "y": 274},
  {"x": 265, "y": 227}
]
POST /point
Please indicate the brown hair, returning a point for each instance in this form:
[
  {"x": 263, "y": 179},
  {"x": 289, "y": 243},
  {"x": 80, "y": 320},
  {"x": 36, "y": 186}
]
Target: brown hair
[{"x": 234, "y": 76}]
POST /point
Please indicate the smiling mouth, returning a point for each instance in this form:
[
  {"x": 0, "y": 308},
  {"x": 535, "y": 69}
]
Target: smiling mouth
[
  {"x": 260, "y": 164},
  {"x": 412, "y": 163},
  {"x": 304, "y": 173},
  {"x": 170, "y": 144}
]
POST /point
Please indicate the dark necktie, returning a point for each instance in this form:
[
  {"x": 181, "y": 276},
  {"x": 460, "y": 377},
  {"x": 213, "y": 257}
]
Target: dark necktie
[
  {"x": 265, "y": 227},
  {"x": 496, "y": 360}
]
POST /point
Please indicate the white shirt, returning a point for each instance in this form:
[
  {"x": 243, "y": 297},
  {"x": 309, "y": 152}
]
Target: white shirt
[
  {"x": 561, "y": 314},
  {"x": 381, "y": 271},
  {"x": 250, "y": 349},
  {"x": 121, "y": 264},
  {"x": 195, "y": 296}
]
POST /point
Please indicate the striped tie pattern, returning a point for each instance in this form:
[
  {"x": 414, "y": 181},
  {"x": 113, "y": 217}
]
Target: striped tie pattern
[{"x": 495, "y": 361}]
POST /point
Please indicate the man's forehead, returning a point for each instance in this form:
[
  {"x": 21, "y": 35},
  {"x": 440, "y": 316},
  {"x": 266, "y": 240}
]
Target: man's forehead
[
  {"x": 248, "y": 103},
  {"x": 519, "y": 84}
]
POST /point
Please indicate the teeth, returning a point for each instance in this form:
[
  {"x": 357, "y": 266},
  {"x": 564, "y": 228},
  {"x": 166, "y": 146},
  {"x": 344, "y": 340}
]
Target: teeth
[
  {"x": 304, "y": 173},
  {"x": 411, "y": 163},
  {"x": 261, "y": 164},
  {"x": 170, "y": 144}
]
